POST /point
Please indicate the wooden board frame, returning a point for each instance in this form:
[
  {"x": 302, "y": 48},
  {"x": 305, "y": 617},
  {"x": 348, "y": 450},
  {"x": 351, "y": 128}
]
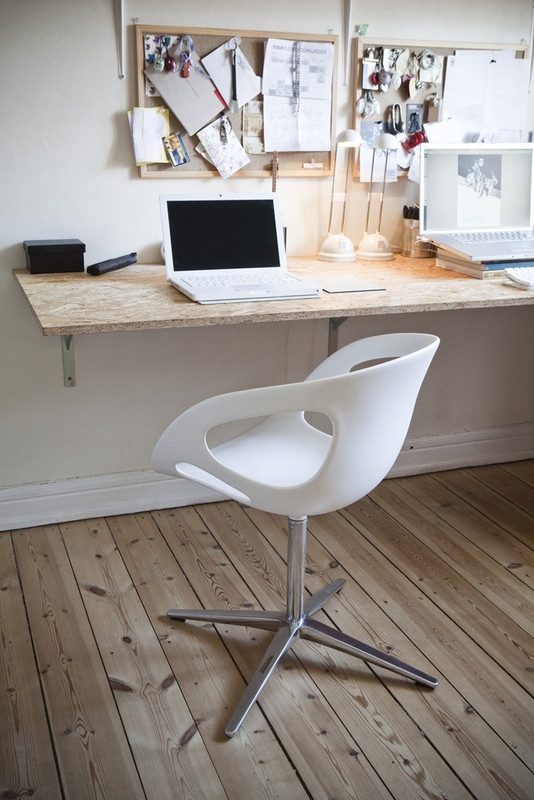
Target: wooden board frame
[{"x": 286, "y": 164}]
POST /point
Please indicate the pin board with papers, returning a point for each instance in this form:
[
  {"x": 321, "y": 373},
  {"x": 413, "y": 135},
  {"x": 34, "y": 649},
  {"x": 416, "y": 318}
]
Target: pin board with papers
[
  {"x": 437, "y": 91},
  {"x": 215, "y": 102}
]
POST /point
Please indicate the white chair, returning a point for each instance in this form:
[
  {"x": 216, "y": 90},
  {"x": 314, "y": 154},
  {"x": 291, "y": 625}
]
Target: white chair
[{"x": 285, "y": 464}]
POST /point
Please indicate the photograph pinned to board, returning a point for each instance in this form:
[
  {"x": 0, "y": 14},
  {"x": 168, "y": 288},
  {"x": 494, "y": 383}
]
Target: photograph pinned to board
[{"x": 176, "y": 149}]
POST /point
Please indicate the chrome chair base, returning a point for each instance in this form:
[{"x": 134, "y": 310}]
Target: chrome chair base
[{"x": 295, "y": 623}]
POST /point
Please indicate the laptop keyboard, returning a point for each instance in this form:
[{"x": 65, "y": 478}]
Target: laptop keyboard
[
  {"x": 493, "y": 236},
  {"x": 236, "y": 279}
]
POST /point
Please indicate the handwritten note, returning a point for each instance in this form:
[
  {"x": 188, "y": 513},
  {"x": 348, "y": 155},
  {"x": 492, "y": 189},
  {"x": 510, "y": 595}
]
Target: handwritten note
[{"x": 148, "y": 126}]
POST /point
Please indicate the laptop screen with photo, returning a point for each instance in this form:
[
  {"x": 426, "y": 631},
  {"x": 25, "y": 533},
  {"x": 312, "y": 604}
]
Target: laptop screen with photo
[
  {"x": 204, "y": 232},
  {"x": 476, "y": 187}
]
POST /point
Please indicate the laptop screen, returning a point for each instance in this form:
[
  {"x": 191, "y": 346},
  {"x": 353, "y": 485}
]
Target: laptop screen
[
  {"x": 222, "y": 232},
  {"x": 476, "y": 187}
]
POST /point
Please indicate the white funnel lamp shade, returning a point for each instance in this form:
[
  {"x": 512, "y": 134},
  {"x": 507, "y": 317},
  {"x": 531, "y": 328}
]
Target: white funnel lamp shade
[
  {"x": 375, "y": 246},
  {"x": 338, "y": 247},
  {"x": 348, "y": 138}
]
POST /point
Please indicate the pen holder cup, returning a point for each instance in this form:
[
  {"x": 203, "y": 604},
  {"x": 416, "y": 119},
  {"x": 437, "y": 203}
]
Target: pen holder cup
[{"x": 412, "y": 245}]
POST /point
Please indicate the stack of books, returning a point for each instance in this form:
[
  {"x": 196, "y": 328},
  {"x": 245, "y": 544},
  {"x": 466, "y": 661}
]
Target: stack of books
[{"x": 486, "y": 270}]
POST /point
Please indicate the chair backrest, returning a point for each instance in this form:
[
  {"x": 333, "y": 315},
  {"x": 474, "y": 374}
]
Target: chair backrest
[
  {"x": 372, "y": 408},
  {"x": 367, "y": 389}
]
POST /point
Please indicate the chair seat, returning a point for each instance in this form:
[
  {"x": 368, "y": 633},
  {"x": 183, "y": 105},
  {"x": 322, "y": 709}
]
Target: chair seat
[{"x": 281, "y": 451}]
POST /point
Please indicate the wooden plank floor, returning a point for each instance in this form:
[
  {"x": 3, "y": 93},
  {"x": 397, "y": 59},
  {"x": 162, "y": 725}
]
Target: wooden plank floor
[{"x": 102, "y": 696}]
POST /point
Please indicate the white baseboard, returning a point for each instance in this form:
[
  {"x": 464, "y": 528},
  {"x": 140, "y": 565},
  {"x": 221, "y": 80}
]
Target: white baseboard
[
  {"x": 465, "y": 449},
  {"x": 132, "y": 492},
  {"x": 105, "y": 495}
]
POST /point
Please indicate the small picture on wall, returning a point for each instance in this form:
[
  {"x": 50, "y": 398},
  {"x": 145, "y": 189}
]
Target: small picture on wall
[{"x": 414, "y": 117}]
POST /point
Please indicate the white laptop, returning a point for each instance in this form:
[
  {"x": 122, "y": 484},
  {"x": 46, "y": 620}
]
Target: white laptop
[
  {"x": 222, "y": 248},
  {"x": 476, "y": 200}
]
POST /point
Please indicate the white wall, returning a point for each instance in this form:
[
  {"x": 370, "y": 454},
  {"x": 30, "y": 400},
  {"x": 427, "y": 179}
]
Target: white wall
[{"x": 67, "y": 172}]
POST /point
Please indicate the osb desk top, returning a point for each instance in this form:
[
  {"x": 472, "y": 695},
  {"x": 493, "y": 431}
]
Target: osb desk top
[{"x": 140, "y": 298}]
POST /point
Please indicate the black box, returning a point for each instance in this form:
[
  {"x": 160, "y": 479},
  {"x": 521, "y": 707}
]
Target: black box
[{"x": 54, "y": 255}]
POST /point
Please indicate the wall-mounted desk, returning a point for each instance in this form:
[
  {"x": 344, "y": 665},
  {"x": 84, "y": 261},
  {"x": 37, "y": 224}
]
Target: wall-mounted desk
[{"x": 140, "y": 298}]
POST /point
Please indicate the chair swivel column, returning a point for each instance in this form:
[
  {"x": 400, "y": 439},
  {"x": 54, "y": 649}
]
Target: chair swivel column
[{"x": 296, "y": 565}]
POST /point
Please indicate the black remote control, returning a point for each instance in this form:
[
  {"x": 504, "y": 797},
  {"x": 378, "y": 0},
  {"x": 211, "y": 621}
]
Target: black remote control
[{"x": 111, "y": 264}]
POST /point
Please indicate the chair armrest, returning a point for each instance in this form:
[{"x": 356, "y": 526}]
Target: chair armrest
[{"x": 185, "y": 439}]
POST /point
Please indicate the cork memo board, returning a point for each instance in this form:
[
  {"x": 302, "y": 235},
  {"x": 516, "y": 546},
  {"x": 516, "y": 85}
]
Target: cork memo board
[
  {"x": 252, "y": 44},
  {"x": 415, "y": 109}
]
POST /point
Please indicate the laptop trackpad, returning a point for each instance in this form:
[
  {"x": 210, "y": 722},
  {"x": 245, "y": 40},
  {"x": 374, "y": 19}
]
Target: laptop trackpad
[
  {"x": 252, "y": 288},
  {"x": 519, "y": 247}
]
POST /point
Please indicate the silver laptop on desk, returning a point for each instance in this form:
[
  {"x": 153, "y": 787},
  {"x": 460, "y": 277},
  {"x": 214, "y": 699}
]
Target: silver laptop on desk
[
  {"x": 476, "y": 200},
  {"x": 222, "y": 248}
]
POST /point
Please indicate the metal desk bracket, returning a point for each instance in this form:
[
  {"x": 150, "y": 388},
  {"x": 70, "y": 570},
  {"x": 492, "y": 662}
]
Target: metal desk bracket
[
  {"x": 334, "y": 323},
  {"x": 67, "y": 351}
]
